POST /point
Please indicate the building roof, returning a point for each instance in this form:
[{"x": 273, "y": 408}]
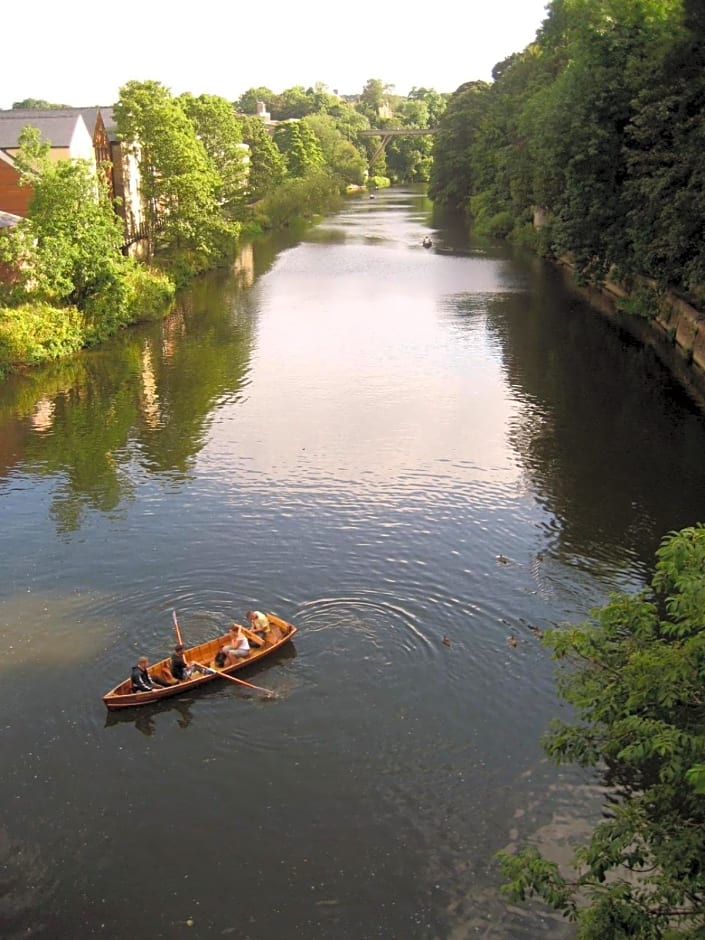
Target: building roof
[
  {"x": 58, "y": 127},
  {"x": 50, "y": 119},
  {"x": 8, "y": 220}
]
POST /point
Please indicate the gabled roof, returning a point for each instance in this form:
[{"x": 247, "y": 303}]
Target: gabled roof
[
  {"x": 55, "y": 126},
  {"x": 34, "y": 116},
  {"x": 8, "y": 219},
  {"x": 109, "y": 121}
]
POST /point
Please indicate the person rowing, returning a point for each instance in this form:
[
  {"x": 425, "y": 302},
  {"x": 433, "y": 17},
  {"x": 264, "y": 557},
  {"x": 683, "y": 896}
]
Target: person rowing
[{"x": 180, "y": 669}]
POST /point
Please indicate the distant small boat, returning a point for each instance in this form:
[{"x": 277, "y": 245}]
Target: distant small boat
[
  {"x": 427, "y": 243},
  {"x": 122, "y": 696}
]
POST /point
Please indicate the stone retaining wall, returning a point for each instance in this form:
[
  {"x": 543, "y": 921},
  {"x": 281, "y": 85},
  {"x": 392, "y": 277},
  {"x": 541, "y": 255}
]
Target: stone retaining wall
[{"x": 673, "y": 324}]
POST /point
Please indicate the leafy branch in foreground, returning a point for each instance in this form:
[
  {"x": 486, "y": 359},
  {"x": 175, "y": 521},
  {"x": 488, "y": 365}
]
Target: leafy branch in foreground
[{"x": 634, "y": 676}]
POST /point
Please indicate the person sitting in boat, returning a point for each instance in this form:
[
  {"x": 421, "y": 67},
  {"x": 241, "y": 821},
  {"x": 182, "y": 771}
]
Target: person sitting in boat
[
  {"x": 259, "y": 622},
  {"x": 180, "y": 669},
  {"x": 237, "y": 647},
  {"x": 427, "y": 243},
  {"x": 141, "y": 679}
]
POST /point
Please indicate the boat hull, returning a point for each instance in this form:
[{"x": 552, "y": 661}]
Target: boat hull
[{"x": 122, "y": 695}]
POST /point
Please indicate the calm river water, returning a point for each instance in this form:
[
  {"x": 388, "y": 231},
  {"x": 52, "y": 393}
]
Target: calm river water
[{"x": 414, "y": 455}]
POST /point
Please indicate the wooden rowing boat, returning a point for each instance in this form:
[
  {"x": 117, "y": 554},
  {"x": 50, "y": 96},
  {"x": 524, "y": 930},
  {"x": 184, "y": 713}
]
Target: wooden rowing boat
[{"x": 280, "y": 632}]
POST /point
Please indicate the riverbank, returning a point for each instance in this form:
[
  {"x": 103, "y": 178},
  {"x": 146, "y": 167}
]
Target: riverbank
[{"x": 658, "y": 318}]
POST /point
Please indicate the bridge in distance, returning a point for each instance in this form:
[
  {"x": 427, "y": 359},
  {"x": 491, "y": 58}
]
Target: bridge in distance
[{"x": 386, "y": 133}]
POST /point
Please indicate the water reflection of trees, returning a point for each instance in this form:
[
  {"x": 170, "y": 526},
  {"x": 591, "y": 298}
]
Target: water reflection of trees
[
  {"x": 141, "y": 402},
  {"x": 612, "y": 447}
]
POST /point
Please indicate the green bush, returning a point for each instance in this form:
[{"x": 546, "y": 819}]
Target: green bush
[
  {"x": 378, "y": 182},
  {"x": 138, "y": 294},
  {"x": 150, "y": 294},
  {"x": 38, "y": 332},
  {"x": 299, "y": 198}
]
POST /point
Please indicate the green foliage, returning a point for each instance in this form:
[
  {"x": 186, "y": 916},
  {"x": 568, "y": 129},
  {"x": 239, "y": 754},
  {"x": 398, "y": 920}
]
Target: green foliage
[
  {"x": 374, "y": 96},
  {"x": 600, "y": 123},
  {"x": 665, "y": 192},
  {"x": 180, "y": 184},
  {"x": 247, "y": 102},
  {"x": 267, "y": 167},
  {"x": 38, "y": 332},
  {"x": 341, "y": 157},
  {"x": 140, "y": 294},
  {"x": 300, "y": 147},
  {"x": 71, "y": 285},
  {"x": 69, "y": 246},
  {"x": 299, "y": 198},
  {"x": 36, "y": 104},
  {"x": 451, "y": 177},
  {"x": 218, "y": 129},
  {"x": 643, "y": 301},
  {"x": 634, "y": 678}
]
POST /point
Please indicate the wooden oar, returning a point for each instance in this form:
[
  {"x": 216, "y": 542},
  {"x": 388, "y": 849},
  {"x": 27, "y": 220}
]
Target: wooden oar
[
  {"x": 225, "y": 675},
  {"x": 176, "y": 628}
]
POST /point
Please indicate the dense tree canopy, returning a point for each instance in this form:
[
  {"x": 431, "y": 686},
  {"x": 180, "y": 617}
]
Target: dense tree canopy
[
  {"x": 36, "y": 103},
  {"x": 266, "y": 163},
  {"x": 220, "y": 133},
  {"x": 635, "y": 678},
  {"x": 599, "y": 123},
  {"x": 452, "y": 176},
  {"x": 300, "y": 147},
  {"x": 180, "y": 182}
]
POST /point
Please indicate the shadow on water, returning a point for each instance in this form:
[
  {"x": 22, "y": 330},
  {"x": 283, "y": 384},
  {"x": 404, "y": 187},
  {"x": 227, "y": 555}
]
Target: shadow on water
[{"x": 144, "y": 717}]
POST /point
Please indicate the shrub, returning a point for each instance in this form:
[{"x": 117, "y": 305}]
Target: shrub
[
  {"x": 38, "y": 332},
  {"x": 138, "y": 294}
]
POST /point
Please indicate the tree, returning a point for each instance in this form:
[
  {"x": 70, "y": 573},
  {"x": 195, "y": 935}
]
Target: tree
[
  {"x": 266, "y": 166},
  {"x": 435, "y": 103},
  {"x": 665, "y": 190},
  {"x": 577, "y": 134},
  {"x": 220, "y": 132},
  {"x": 634, "y": 678},
  {"x": 374, "y": 96},
  {"x": 452, "y": 172},
  {"x": 409, "y": 159},
  {"x": 36, "y": 104},
  {"x": 300, "y": 148},
  {"x": 294, "y": 103},
  {"x": 69, "y": 246},
  {"x": 179, "y": 182},
  {"x": 247, "y": 102},
  {"x": 343, "y": 159}
]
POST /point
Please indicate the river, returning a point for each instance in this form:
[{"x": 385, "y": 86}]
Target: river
[{"x": 420, "y": 457}]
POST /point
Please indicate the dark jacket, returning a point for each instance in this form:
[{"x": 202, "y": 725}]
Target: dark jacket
[
  {"x": 179, "y": 669},
  {"x": 141, "y": 681}
]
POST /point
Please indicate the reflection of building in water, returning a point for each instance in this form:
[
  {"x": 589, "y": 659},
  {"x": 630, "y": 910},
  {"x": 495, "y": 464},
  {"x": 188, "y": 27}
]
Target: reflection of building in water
[
  {"x": 43, "y": 416},
  {"x": 244, "y": 266},
  {"x": 150, "y": 399},
  {"x": 172, "y": 328}
]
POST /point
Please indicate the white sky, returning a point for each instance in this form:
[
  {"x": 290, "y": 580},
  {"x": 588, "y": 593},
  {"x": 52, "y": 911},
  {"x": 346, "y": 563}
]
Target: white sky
[{"x": 79, "y": 53}]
